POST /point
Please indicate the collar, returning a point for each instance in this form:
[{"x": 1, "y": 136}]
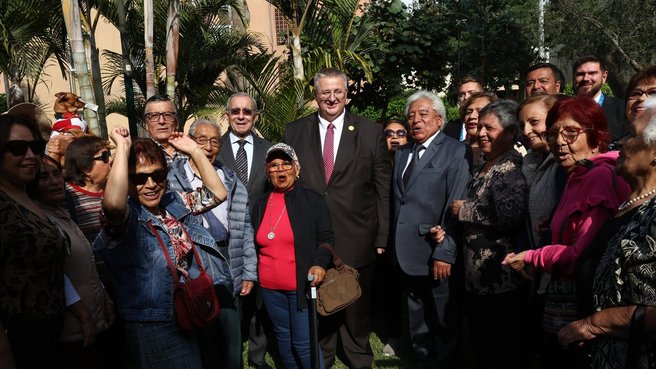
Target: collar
[{"x": 234, "y": 139}]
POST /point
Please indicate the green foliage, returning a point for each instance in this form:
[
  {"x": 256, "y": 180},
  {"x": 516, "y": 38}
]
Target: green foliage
[
  {"x": 31, "y": 31},
  {"x": 208, "y": 48},
  {"x": 620, "y": 32}
]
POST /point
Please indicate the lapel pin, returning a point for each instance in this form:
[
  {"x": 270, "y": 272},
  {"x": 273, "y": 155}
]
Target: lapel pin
[{"x": 351, "y": 128}]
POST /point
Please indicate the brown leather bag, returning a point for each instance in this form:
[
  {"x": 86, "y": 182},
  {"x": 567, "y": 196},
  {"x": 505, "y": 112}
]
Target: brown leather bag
[{"x": 339, "y": 289}]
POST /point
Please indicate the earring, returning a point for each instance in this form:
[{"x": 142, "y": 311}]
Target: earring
[{"x": 653, "y": 162}]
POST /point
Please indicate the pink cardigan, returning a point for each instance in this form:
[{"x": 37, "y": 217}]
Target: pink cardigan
[{"x": 591, "y": 195}]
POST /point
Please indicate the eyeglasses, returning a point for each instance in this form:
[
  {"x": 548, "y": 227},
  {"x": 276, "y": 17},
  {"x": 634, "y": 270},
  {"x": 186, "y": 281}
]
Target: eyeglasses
[
  {"x": 214, "y": 142},
  {"x": 635, "y": 94},
  {"x": 326, "y": 94},
  {"x": 168, "y": 116},
  {"x": 569, "y": 134},
  {"x": 104, "y": 156},
  {"x": 399, "y": 133},
  {"x": 245, "y": 111},
  {"x": 19, "y": 147},
  {"x": 275, "y": 167},
  {"x": 158, "y": 176}
]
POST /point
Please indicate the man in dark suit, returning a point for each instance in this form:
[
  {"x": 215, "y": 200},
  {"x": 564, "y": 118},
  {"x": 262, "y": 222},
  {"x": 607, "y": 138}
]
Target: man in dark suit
[
  {"x": 244, "y": 153},
  {"x": 428, "y": 176},
  {"x": 590, "y": 73},
  {"x": 345, "y": 158}
]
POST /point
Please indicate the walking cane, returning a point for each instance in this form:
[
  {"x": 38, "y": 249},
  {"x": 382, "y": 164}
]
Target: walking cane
[{"x": 314, "y": 332}]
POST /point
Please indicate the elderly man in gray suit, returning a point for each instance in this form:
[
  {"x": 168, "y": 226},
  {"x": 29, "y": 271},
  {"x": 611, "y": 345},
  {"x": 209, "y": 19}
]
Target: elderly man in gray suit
[{"x": 428, "y": 176}]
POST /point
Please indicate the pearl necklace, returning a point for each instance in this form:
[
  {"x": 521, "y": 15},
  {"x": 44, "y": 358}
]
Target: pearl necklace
[{"x": 630, "y": 202}]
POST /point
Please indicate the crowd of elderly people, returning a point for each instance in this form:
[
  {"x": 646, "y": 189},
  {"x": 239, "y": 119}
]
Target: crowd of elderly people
[{"x": 525, "y": 230}]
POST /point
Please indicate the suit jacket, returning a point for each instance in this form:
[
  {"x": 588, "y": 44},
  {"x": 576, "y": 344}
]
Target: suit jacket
[
  {"x": 358, "y": 192},
  {"x": 257, "y": 178},
  {"x": 441, "y": 176},
  {"x": 618, "y": 125},
  {"x": 453, "y": 129}
]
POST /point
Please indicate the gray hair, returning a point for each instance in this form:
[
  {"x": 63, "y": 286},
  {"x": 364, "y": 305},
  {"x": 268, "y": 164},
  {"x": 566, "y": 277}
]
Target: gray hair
[
  {"x": 505, "y": 110},
  {"x": 199, "y": 122},
  {"x": 240, "y": 94},
  {"x": 435, "y": 100},
  {"x": 649, "y": 133},
  {"x": 330, "y": 73}
]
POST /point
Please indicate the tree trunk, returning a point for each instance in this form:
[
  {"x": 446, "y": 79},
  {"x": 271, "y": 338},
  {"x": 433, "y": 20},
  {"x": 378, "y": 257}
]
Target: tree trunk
[
  {"x": 299, "y": 73},
  {"x": 150, "y": 58},
  {"x": 71, "y": 11},
  {"x": 92, "y": 50},
  {"x": 172, "y": 37}
]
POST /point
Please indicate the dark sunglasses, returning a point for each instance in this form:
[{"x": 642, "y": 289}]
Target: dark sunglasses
[
  {"x": 19, "y": 147},
  {"x": 158, "y": 176},
  {"x": 398, "y": 133},
  {"x": 246, "y": 111},
  {"x": 104, "y": 156}
]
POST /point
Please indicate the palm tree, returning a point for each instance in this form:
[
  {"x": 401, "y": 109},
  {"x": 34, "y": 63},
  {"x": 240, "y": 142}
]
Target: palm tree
[
  {"x": 328, "y": 33},
  {"x": 71, "y": 11},
  {"x": 207, "y": 44},
  {"x": 32, "y": 31}
]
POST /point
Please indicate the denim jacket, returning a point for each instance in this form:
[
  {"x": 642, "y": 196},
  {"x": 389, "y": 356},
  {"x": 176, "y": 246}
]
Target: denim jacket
[
  {"x": 241, "y": 258},
  {"x": 137, "y": 265}
]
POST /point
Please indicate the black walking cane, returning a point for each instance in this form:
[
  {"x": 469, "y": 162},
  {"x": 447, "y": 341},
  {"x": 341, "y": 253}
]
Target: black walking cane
[{"x": 314, "y": 327}]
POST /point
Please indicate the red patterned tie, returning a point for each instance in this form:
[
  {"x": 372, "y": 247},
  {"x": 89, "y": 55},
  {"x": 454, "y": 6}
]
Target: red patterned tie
[{"x": 328, "y": 151}]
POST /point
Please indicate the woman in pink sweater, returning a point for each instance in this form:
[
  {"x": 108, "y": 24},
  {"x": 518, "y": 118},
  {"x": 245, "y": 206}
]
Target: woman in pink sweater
[{"x": 578, "y": 137}]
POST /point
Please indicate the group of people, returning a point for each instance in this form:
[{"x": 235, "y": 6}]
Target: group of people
[{"x": 523, "y": 218}]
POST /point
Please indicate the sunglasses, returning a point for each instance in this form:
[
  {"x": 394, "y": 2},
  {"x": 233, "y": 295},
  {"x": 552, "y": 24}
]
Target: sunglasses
[
  {"x": 104, "y": 156},
  {"x": 158, "y": 176},
  {"x": 398, "y": 133},
  {"x": 246, "y": 111},
  {"x": 19, "y": 147}
]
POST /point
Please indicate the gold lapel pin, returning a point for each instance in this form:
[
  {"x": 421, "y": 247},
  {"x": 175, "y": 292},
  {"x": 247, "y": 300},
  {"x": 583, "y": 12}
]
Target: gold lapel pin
[{"x": 351, "y": 128}]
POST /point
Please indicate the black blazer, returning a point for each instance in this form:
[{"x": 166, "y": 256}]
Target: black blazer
[
  {"x": 359, "y": 189},
  {"x": 310, "y": 221},
  {"x": 618, "y": 125},
  {"x": 257, "y": 178},
  {"x": 453, "y": 129}
]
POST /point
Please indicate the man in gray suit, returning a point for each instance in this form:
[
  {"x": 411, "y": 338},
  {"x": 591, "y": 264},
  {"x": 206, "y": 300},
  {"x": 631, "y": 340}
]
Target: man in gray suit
[
  {"x": 428, "y": 176},
  {"x": 244, "y": 153}
]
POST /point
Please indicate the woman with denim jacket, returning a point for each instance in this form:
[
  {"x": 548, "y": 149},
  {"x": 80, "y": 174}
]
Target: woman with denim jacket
[{"x": 137, "y": 204}]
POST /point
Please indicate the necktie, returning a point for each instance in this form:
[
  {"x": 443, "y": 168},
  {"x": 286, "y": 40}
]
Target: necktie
[
  {"x": 242, "y": 163},
  {"x": 328, "y": 152},
  {"x": 412, "y": 165}
]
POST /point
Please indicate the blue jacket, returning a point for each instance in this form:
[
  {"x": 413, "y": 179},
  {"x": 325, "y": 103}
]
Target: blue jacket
[
  {"x": 241, "y": 256},
  {"x": 137, "y": 265}
]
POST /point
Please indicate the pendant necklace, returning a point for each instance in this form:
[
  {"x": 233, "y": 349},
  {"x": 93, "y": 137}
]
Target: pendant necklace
[{"x": 272, "y": 234}]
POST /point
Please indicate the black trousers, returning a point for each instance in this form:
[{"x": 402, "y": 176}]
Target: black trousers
[
  {"x": 350, "y": 327},
  {"x": 435, "y": 321}
]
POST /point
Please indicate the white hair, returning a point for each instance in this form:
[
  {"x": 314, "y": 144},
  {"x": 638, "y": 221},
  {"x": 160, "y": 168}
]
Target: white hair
[{"x": 436, "y": 103}]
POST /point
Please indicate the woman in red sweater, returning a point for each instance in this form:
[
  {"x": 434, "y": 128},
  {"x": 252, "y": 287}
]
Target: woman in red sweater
[{"x": 290, "y": 223}]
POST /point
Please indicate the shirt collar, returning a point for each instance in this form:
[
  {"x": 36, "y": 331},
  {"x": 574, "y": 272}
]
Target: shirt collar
[{"x": 235, "y": 139}]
